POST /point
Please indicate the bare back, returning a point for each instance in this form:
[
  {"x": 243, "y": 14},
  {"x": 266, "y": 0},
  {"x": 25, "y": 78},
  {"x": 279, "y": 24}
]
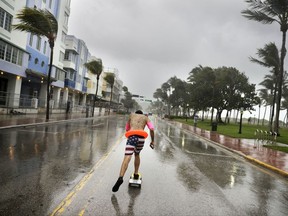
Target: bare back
[{"x": 138, "y": 121}]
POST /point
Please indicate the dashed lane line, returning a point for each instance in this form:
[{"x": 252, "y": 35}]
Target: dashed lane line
[
  {"x": 212, "y": 155},
  {"x": 59, "y": 210}
]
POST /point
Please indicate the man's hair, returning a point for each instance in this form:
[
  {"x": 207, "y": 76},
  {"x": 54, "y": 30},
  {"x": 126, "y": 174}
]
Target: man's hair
[{"x": 139, "y": 112}]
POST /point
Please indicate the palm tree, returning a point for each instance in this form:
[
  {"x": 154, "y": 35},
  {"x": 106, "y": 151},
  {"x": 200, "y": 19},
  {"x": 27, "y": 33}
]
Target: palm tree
[
  {"x": 265, "y": 96},
  {"x": 270, "y": 58},
  {"x": 41, "y": 23},
  {"x": 95, "y": 67},
  {"x": 268, "y": 12},
  {"x": 110, "y": 79},
  {"x": 270, "y": 85}
]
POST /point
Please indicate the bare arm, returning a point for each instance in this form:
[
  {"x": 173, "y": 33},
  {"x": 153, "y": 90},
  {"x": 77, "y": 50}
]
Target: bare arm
[{"x": 151, "y": 128}]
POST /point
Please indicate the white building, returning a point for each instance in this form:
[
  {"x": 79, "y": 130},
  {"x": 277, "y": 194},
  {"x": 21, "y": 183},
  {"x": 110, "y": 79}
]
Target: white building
[
  {"x": 143, "y": 102},
  {"x": 117, "y": 88},
  {"x": 92, "y": 83},
  {"x": 25, "y": 59},
  {"x": 76, "y": 55},
  {"x": 13, "y": 55}
]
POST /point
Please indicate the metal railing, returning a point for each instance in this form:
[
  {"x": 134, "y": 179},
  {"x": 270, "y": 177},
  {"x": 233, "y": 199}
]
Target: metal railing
[{"x": 23, "y": 103}]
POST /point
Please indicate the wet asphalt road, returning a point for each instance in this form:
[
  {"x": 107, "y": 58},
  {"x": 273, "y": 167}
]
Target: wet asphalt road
[{"x": 70, "y": 168}]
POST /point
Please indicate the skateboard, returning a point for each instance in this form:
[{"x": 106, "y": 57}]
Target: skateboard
[{"x": 135, "y": 182}]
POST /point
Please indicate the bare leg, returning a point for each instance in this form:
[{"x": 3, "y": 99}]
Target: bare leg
[
  {"x": 136, "y": 163},
  {"x": 123, "y": 169},
  {"x": 125, "y": 164}
]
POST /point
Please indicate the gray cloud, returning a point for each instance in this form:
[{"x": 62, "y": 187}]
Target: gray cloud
[{"x": 150, "y": 41}]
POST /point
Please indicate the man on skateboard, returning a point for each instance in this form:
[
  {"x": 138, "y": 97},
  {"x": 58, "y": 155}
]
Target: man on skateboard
[{"x": 137, "y": 122}]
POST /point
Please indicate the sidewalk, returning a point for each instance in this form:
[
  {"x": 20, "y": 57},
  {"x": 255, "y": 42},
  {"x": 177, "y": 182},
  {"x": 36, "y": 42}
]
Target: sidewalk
[
  {"x": 13, "y": 121},
  {"x": 251, "y": 149}
]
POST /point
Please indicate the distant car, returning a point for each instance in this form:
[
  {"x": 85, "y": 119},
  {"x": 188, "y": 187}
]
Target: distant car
[{"x": 150, "y": 113}]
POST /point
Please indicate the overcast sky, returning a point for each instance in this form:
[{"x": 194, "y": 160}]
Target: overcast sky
[{"x": 149, "y": 41}]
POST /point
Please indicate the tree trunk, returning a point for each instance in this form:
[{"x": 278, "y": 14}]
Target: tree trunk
[
  {"x": 95, "y": 96},
  {"x": 212, "y": 115},
  {"x": 273, "y": 106},
  {"x": 49, "y": 81},
  {"x": 259, "y": 115},
  {"x": 264, "y": 115},
  {"x": 110, "y": 100},
  {"x": 283, "y": 53}
]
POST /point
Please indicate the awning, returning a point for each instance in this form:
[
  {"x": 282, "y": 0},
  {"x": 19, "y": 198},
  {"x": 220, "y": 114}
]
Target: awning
[{"x": 39, "y": 75}]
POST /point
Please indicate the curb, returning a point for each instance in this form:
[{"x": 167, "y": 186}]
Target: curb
[
  {"x": 47, "y": 123},
  {"x": 249, "y": 158},
  {"x": 275, "y": 169}
]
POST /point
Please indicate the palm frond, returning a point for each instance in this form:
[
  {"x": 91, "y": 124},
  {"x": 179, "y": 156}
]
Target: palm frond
[
  {"x": 258, "y": 62},
  {"x": 40, "y": 22},
  {"x": 95, "y": 67},
  {"x": 29, "y": 28},
  {"x": 258, "y": 16}
]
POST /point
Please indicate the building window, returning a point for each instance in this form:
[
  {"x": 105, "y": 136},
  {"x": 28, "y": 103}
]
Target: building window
[
  {"x": 45, "y": 47},
  {"x": 38, "y": 46},
  {"x": 66, "y": 17},
  {"x": 2, "y": 50},
  {"x": 14, "y": 55},
  {"x": 60, "y": 75},
  {"x": 31, "y": 40},
  {"x": 66, "y": 56},
  {"x": 61, "y": 57},
  {"x": 8, "y": 52},
  {"x": 36, "y": 61},
  {"x": 5, "y": 19},
  {"x": 63, "y": 36},
  {"x": 20, "y": 58},
  {"x": 42, "y": 64},
  {"x": 50, "y": 4},
  {"x": 70, "y": 75}
]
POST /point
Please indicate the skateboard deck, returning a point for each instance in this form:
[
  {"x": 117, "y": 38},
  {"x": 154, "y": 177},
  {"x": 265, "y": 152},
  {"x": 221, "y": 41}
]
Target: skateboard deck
[{"x": 135, "y": 182}]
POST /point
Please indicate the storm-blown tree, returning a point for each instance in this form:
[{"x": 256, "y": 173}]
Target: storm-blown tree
[
  {"x": 127, "y": 101},
  {"x": 41, "y": 23},
  {"x": 180, "y": 95},
  {"x": 110, "y": 79},
  {"x": 266, "y": 99},
  {"x": 96, "y": 68},
  {"x": 268, "y": 12},
  {"x": 204, "y": 85},
  {"x": 270, "y": 58}
]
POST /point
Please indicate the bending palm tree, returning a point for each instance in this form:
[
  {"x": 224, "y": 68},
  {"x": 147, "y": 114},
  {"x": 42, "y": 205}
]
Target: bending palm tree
[
  {"x": 110, "y": 79},
  {"x": 270, "y": 58},
  {"x": 95, "y": 67},
  {"x": 267, "y": 12},
  {"x": 41, "y": 23}
]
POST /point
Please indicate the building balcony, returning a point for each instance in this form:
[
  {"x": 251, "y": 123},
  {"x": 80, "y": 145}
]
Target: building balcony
[
  {"x": 71, "y": 44},
  {"x": 69, "y": 83},
  {"x": 84, "y": 89},
  {"x": 86, "y": 76},
  {"x": 69, "y": 64}
]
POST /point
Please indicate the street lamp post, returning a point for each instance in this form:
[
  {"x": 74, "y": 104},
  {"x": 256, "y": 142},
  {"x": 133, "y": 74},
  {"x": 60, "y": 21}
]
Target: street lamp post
[
  {"x": 169, "y": 93},
  {"x": 241, "y": 114},
  {"x": 240, "y": 126},
  {"x": 187, "y": 111}
]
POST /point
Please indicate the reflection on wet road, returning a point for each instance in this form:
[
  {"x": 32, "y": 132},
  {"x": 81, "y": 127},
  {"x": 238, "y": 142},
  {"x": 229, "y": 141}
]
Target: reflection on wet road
[
  {"x": 183, "y": 175},
  {"x": 248, "y": 190},
  {"x": 40, "y": 163}
]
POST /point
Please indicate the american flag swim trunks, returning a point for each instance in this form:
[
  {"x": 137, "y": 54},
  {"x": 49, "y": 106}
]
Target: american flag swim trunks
[{"x": 134, "y": 144}]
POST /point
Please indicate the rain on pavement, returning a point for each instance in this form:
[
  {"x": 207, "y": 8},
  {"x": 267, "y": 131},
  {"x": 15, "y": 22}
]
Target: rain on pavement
[{"x": 183, "y": 175}]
